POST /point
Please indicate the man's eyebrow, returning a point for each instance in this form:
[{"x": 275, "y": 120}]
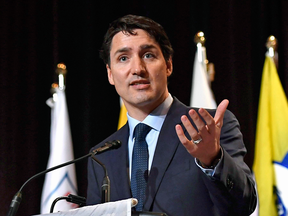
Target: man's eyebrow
[
  {"x": 127, "y": 49},
  {"x": 122, "y": 50},
  {"x": 148, "y": 46}
]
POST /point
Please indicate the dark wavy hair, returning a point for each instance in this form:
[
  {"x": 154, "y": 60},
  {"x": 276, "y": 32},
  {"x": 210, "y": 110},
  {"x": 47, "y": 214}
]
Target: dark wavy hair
[{"x": 128, "y": 24}]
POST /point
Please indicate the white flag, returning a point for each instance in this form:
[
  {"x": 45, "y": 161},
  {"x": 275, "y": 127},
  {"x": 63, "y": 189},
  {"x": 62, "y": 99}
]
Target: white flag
[
  {"x": 60, "y": 182},
  {"x": 201, "y": 93}
]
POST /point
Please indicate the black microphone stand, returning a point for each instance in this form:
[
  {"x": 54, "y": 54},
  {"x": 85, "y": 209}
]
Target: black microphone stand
[
  {"x": 18, "y": 196},
  {"x": 106, "y": 182},
  {"x": 109, "y": 145},
  {"x": 81, "y": 201}
]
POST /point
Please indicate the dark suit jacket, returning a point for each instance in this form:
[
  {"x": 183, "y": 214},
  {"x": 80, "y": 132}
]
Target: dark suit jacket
[{"x": 176, "y": 185}]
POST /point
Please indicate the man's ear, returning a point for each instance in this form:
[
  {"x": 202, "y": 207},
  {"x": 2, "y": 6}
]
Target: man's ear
[
  {"x": 169, "y": 67},
  {"x": 110, "y": 75}
]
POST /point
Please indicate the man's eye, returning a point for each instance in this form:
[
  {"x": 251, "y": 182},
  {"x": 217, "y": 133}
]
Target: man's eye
[
  {"x": 123, "y": 58},
  {"x": 148, "y": 55}
]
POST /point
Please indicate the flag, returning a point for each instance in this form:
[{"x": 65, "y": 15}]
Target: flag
[
  {"x": 201, "y": 93},
  {"x": 60, "y": 182},
  {"x": 271, "y": 144},
  {"x": 123, "y": 115}
]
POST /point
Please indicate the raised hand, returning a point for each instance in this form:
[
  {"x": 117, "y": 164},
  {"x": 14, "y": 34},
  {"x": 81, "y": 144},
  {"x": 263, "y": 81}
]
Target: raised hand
[{"x": 205, "y": 143}]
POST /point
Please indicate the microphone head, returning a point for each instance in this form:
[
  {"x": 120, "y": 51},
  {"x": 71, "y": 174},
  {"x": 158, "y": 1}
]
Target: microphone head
[{"x": 115, "y": 144}]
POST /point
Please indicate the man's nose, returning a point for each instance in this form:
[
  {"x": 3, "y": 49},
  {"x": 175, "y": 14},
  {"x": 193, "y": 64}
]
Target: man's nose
[{"x": 138, "y": 66}]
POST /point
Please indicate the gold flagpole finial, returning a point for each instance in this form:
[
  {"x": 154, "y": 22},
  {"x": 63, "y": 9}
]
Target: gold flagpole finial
[
  {"x": 271, "y": 42},
  {"x": 61, "y": 71},
  {"x": 199, "y": 38},
  {"x": 271, "y": 45},
  {"x": 54, "y": 86}
]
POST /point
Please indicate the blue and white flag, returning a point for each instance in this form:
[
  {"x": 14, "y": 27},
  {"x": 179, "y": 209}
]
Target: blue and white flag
[{"x": 60, "y": 182}]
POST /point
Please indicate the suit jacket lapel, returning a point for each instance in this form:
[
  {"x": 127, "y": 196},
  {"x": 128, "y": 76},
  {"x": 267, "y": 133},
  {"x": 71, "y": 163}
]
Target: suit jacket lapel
[
  {"x": 120, "y": 166},
  {"x": 166, "y": 147}
]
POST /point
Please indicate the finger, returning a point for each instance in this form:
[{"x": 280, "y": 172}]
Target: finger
[
  {"x": 189, "y": 127},
  {"x": 199, "y": 123},
  {"x": 210, "y": 123},
  {"x": 183, "y": 139},
  {"x": 220, "y": 112}
]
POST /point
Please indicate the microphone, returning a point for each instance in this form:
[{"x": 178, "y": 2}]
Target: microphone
[
  {"x": 108, "y": 145},
  {"x": 18, "y": 196}
]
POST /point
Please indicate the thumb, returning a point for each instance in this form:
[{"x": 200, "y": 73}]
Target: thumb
[{"x": 220, "y": 112}]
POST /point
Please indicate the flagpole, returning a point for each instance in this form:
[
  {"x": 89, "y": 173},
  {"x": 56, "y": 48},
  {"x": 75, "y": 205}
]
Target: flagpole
[
  {"x": 271, "y": 45},
  {"x": 200, "y": 40},
  {"x": 61, "y": 71}
]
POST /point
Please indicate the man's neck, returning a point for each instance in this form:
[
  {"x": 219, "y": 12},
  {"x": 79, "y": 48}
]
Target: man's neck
[{"x": 141, "y": 113}]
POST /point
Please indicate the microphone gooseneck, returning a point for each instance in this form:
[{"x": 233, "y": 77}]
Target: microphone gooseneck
[
  {"x": 18, "y": 196},
  {"x": 106, "y": 181},
  {"x": 15, "y": 203}
]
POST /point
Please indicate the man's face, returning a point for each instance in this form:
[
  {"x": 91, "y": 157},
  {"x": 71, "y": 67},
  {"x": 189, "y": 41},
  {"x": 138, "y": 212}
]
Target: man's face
[{"x": 138, "y": 70}]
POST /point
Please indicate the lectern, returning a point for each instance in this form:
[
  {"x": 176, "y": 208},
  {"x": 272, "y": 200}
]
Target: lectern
[{"x": 118, "y": 208}]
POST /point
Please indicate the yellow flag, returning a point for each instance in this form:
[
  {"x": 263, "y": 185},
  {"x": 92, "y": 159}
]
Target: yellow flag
[
  {"x": 123, "y": 115},
  {"x": 271, "y": 147}
]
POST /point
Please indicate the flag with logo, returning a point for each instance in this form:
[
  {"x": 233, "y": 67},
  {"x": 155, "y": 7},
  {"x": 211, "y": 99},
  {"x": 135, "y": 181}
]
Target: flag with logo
[
  {"x": 271, "y": 145},
  {"x": 201, "y": 93},
  {"x": 60, "y": 182}
]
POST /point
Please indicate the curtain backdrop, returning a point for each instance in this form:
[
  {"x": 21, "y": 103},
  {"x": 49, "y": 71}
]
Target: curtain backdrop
[{"x": 36, "y": 35}]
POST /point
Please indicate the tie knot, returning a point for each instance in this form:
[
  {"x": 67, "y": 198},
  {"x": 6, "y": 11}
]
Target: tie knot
[{"x": 141, "y": 130}]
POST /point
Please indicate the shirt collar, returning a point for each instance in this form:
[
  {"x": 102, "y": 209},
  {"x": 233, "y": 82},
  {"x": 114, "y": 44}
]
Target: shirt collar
[{"x": 155, "y": 119}]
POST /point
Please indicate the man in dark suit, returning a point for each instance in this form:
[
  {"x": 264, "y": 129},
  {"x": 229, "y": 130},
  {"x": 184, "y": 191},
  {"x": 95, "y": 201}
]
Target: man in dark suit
[{"x": 195, "y": 165}]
